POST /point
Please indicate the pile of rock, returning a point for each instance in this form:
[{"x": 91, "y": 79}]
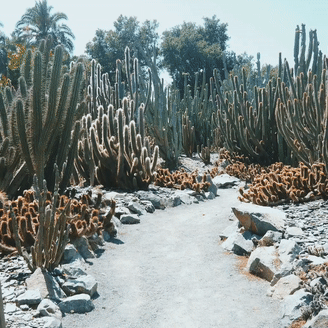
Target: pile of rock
[{"x": 285, "y": 246}]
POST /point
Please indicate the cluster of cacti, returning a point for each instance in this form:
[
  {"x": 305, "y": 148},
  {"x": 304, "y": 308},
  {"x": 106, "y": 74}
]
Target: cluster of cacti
[
  {"x": 42, "y": 223},
  {"x": 301, "y": 116},
  {"x": 164, "y": 123},
  {"x": 112, "y": 153},
  {"x": 281, "y": 183},
  {"x": 181, "y": 180},
  {"x": 199, "y": 105},
  {"x": 38, "y": 119},
  {"x": 248, "y": 125}
]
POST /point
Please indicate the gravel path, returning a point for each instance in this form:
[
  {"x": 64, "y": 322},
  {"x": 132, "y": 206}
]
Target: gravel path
[{"x": 170, "y": 271}]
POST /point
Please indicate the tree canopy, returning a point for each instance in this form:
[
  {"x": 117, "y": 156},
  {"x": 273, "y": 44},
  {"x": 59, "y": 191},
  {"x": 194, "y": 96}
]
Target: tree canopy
[
  {"x": 142, "y": 39},
  {"x": 188, "y": 48},
  {"x": 38, "y": 23}
]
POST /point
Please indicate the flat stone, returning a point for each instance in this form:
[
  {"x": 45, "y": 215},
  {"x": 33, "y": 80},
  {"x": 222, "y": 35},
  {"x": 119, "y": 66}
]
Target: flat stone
[
  {"x": 292, "y": 306},
  {"x": 80, "y": 303},
  {"x": 294, "y": 231},
  {"x": 232, "y": 228},
  {"x": 136, "y": 208},
  {"x": 319, "y": 321},
  {"x": 286, "y": 286},
  {"x": 129, "y": 219},
  {"x": 224, "y": 181},
  {"x": 46, "y": 284},
  {"x": 49, "y": 309},
  {"x": 264, "y": 262},
  {"x": 30, "y": 297},
  {"x": 146, "y": 195},
  {"x": 259, "y": 219},
  {"x": 85, "y": 284},
  {"x": 238, "y": 244},
  {"x": 10, "y": 308}
]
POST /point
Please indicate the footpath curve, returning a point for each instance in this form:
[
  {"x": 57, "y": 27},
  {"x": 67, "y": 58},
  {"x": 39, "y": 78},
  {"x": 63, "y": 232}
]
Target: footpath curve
[{"x": 170, "y": 271}]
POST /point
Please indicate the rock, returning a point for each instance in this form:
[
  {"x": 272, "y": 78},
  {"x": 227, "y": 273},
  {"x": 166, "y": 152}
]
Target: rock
[
  {"x": 47, "y": 308},
  {"x": 83, "y": 247},
  {"x": 319, "y": 321},
  {"x": 120, "y": 210},
  {"x": 136, "y": 208},
  {"x": 10, "y": 308},
  {"x": 223, "y": 181},
  {"x": 292, "y": 306},
  {"x": 80, "y": 303},
  {"x": 286, "y": 286},
  {"x": 260, "y": 219},
  {"x": 84, "y": 284},
  {"x": 238, "y": 244},
  {"x": 149, "y": 196},
  {"x": 46, "y": 284},
  {"x": 288, "y": 251},
  {"x": 181, "y": 196},
  {"x": 234, "y": 227},
  {"x": 270, "y": 238},
  {"x": 263, "y": 262},
  {"x": 52, "y": 322},
  {"x": 129, "y": 219},
  {"x": 71, "y": 254},
  {"x": 212, "y": 188},
  {"x": 30, "y": 297},
  {"x": 209, "y": 195},
  {"x": 294, "y": 231},
  {"x": 149, "y": 207}
]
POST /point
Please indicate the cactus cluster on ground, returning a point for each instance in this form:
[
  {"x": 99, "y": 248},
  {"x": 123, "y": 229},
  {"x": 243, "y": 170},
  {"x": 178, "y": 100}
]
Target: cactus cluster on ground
[{"x": 97, "y": 129}]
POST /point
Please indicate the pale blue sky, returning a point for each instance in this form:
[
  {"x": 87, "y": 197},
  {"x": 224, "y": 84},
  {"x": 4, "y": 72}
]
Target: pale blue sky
[{"x": 265, "y": 26}]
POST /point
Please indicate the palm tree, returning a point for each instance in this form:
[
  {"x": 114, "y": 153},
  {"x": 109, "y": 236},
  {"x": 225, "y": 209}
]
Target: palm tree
[{"x": 38, "y": 23}]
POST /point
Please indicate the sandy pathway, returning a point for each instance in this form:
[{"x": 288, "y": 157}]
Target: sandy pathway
[{"x": 170, "y": 271}]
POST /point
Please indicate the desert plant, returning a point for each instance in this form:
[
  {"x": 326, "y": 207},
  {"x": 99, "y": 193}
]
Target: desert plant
[
  {"x": 52, "y": 236},
  {"x": 45, "y": 111}
]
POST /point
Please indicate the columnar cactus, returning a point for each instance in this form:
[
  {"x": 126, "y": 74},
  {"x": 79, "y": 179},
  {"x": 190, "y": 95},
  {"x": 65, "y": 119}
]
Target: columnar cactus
[
  {"x": 112, "y": 153},
  {"x": 301, "y": 116},
  {"x": 45, "y": 112},
  {"x": 248, "y": 125},
  {"x": 53, "y": 232}
]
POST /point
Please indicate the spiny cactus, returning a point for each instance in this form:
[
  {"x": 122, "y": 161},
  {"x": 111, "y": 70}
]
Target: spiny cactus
[
  {"x": 52, "y": 236},
  {"x": 112, "y": 153},
  {"x": 301, "y": 116},
  {"x": 248, "y": 125},
  {"x": 44, "y": 114},
  {"x": 188, "y": 136}
]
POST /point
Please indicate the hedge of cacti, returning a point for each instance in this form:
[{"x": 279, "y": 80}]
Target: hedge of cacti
[{"x": 113, "y": 132}]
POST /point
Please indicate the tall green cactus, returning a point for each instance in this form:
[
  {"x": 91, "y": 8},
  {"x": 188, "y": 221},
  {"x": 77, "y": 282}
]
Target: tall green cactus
[
  {"x": 115, "y": 155},
  {"x": 45, "y": 111},
  {"x": 301, "y": 116},
  {"x": 248, "y": 125}
]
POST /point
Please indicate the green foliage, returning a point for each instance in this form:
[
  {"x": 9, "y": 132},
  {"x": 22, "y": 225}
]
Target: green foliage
[
  {"x": 142, "y": 40},
  {"x": 188, "y": 48},
  {"x": 38, "y": 23}
]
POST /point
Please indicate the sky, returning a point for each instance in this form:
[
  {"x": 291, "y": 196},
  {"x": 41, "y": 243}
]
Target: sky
[{"x": 265, "y": 26}]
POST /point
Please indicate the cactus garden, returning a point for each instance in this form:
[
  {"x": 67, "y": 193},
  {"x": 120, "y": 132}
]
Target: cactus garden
[{"x": 74, "y": 129}]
